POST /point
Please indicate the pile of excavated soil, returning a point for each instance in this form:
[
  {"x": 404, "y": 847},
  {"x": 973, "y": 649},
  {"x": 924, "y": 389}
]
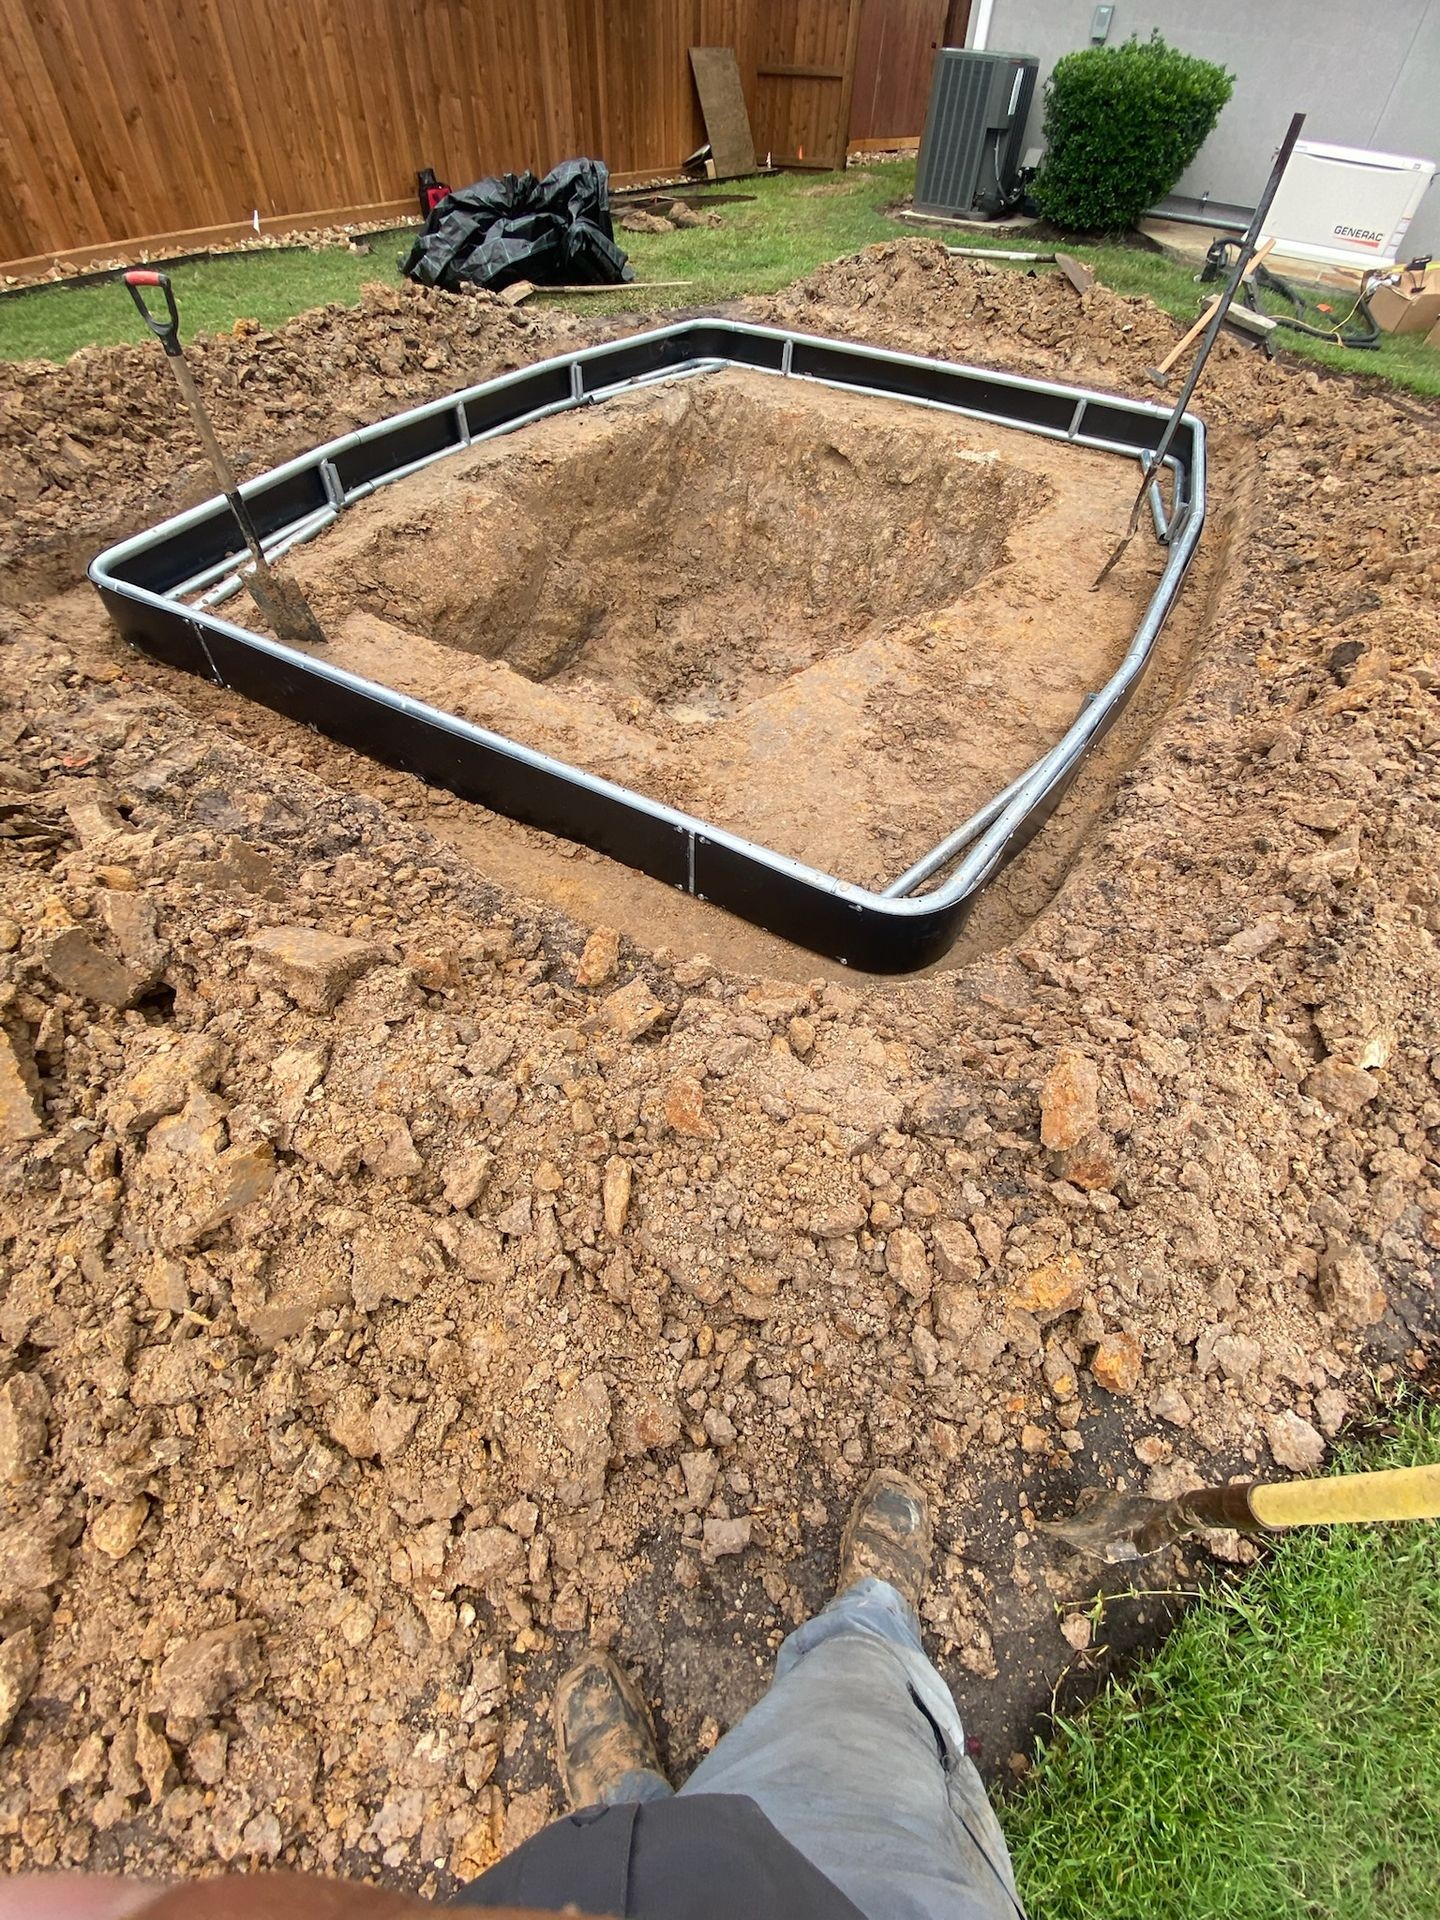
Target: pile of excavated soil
[
  {"x": 102, "y": 441},
  {"x": 403, "y": 1280},
  {"x": 956, "y": 309}
]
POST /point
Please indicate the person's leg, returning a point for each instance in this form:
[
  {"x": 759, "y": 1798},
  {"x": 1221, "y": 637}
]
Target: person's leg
[{"x": 857, "y": 1754}]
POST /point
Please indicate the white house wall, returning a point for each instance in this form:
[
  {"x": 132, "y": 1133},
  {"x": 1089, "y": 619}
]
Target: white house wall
[{"x": 1365, "y": 74}]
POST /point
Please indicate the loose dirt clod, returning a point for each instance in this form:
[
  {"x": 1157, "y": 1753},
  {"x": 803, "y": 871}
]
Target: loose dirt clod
[{"x": 392, "y": 1295}]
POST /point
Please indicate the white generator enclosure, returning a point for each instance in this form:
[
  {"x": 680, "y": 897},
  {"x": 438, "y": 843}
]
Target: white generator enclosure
[{"x": 1346, "y": 207}]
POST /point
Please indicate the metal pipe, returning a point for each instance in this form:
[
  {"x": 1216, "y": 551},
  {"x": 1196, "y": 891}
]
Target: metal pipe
[
  {"x": 216, "y": 570},
  {"x": 997, "y": 253},
  {"x": 890, "y": 357},
  {"x": 1183, "y": 219},
  {"x": 568, "y": 405},
  {"x": 219, "y": 569},
  {"x": 1157, "y": 514},
  {"x": 1093, "y": 440},
  {"x": 955, "y": 842},
  {"x": 1237, "y": 274},
  {"x": 986, "y": 855}
]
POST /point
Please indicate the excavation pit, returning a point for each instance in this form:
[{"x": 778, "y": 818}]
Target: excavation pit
[
  {"x": 681, "y": 553},
  {"x": 745, "y": 633}
]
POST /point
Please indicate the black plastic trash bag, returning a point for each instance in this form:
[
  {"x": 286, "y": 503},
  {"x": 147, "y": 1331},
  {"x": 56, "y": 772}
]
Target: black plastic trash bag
[{"x": 554, "y": 231}]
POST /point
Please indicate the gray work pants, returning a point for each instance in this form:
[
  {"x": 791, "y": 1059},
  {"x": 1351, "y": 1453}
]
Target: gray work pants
[{"x": 857, "y": 1756}]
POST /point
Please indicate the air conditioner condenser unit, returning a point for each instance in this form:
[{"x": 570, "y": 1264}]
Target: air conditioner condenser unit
[{"x": 974, "y": 131}]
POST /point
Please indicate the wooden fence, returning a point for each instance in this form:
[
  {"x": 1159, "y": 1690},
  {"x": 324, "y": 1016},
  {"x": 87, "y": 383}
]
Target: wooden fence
[
  {"x": 894, "y": 62},
  {"x": 125, "y": 120}
]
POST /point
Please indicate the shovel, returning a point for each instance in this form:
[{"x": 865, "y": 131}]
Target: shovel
[
  {"x": 1126, "y": 1526},
  {"x": 281, "y": 601}
]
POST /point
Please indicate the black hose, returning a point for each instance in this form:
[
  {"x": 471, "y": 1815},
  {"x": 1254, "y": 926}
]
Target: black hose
[
  {"x": 999, "y": 202},
  {"x": 1366, "y": 337}
]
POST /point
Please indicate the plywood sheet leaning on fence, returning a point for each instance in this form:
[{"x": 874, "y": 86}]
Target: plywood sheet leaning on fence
[{"x": 722, "y": 101}]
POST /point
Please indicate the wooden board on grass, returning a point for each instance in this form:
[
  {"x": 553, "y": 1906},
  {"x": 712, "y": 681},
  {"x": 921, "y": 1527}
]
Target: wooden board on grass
[{"x": 722, "y": 102}]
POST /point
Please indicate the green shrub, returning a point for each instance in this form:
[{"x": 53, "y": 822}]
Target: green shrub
[{"x": 1121, "y": 126}]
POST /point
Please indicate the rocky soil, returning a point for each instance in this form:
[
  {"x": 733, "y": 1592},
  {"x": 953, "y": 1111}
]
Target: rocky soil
[
  {"x": 101, "y": 441},
  {"x": 402, "y": 1282}
]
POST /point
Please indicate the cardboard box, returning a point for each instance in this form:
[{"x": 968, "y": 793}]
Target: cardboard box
[
  {"x": 1432, "y": 339},
  {"x": 1400, "y": 312}
]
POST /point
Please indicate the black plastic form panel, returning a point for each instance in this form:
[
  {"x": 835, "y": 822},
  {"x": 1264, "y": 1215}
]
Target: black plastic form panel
[
  {"x": 545, "y": 387},
  {"x": 169, "y": 636},
  {"x": 405, "y": 443},
  {"x": 952, "y": 386},
  {"x": 278, "y": 504},
  {"x": 385, "y": 728},
  {"x": 639, "y": 359},
  {"x": 875, "y": 939},
  {"x": 450, "y": 755},
  {"x": 161, "y": 568},
  {"x": 281, "y": 502},
  {"x": 1137, "y": 430}
]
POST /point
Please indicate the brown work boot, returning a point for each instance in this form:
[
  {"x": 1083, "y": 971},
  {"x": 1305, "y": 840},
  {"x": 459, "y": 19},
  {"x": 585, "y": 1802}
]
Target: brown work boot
[
  {"x": 602, "y": 1734},
  {"x": 888, "y": 1536}
]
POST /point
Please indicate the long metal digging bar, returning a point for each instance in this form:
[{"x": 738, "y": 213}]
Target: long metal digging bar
[
  {"x": 281, "y": 601},
  {"x": 1212, "y": 333}
]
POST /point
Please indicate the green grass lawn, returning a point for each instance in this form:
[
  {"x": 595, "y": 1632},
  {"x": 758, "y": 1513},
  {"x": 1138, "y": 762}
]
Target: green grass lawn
[
  {"x": 1278, "y": 1759},
  {"x": 271, "y": 287},
  {"x": 793, "y": 223}
]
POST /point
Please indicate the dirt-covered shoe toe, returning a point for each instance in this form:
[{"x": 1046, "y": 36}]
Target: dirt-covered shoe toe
[
  {"x": 602, "y": 1730},
  {"x": 888, "y": 1536}
]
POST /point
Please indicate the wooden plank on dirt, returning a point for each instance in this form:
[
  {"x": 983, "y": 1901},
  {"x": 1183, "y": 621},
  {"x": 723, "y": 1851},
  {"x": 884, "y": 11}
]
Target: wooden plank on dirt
[
  {"x": 722, "y": 101},
  {"x": 521, "y": 290}
]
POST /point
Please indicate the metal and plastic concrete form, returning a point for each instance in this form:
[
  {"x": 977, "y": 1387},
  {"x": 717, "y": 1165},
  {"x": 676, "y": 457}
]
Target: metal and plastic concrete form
[{"x": 163, "y": 588}]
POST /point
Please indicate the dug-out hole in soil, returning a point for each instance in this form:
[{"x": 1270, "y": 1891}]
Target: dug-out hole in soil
[{"x": 832, "y": 623}]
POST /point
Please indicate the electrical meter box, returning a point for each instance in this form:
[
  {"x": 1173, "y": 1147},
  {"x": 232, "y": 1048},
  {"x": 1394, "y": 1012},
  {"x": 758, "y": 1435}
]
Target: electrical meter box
[{"x": 1344, "y": 206}]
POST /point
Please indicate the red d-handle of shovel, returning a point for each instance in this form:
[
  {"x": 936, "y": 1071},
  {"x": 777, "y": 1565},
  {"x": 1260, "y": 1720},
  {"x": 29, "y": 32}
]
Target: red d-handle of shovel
[{"x": 166, "y": 331}]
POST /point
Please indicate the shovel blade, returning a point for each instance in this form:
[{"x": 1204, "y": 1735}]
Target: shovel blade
[
  {"x": 284, "y": 605},
  {"x": 1109, "y": 1526}
]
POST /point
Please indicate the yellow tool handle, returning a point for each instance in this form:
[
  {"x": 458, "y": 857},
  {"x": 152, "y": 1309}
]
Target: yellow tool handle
[{"x": 1402, "y": 1493}]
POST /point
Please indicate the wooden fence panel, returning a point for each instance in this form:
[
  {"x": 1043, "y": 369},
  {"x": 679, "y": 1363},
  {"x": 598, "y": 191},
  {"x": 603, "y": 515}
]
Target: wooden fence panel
[
  {"x": 804, "y": 80},
  {"x": 125, "y": 119},
  {"x": 896, "y": 56}
]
